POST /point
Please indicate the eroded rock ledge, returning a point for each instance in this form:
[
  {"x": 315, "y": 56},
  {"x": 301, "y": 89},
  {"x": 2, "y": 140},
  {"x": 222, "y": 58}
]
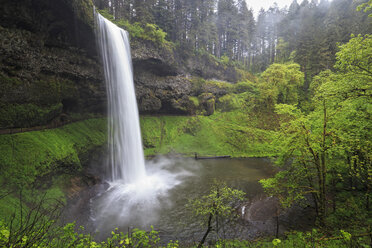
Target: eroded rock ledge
[{"x": 50, "y": 69}]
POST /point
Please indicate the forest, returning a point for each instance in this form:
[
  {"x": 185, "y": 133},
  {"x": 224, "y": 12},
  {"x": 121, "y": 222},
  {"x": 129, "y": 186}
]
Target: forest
[
  {"x": 214, "y": 127},
  {"x": 305, "y": 33}
]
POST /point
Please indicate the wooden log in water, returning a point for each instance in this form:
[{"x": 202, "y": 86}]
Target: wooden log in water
[{"x": 214, "y": 157}]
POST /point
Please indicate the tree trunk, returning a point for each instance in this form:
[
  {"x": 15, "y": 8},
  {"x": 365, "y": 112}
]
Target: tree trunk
[
  {"x": 323, "y": 167},
  {"x": 207, "y": 232}
]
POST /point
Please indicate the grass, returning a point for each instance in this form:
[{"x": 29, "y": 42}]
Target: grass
[
  {"x": 26, "y": 156},
  {"x": 10, "y": 209},
  {"x": 228, "y": 133},
  {"x": 43, "y": 160}
]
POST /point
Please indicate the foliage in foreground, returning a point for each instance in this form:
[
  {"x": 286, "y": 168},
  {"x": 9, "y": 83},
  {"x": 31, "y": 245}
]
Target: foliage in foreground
[
  {"x": 49, "y": 235},
  {"x": 34, "y": 223},
  {"x": 58, "y": 237},
  {"x": 326, "y": 153},
  {"x": 216, "y": 208},
  {"x": 314, "y": 238}
]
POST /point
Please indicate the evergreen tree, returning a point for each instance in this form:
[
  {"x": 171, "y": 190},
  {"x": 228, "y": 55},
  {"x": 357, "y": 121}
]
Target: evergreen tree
[
  {"x": 306, "y": 34},
  {"x": 227, "y": 28}
]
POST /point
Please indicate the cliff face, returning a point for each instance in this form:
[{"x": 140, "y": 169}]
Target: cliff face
[
  {"x": 50, "y": 70},
  {"x": 48, "y": 64},
  {"x": 161, "y": 87}
]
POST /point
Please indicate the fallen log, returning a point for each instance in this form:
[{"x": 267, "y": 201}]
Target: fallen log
[{"x": 213, "y": 157}]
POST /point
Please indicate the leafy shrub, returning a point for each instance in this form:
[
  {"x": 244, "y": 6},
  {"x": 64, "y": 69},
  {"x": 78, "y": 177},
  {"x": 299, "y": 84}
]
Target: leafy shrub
[
  {"x": 47, "y": 234},
  {"x": 245, "y": 86},
  {"x": 228, "y": 103},
  {"x": 154, "y": 33},
  {"x": 244, "y": 75},
  {"x": 194, "y": 100},
  {"x": 217, "y": 87},
  {"x": 225, "y": 60}
]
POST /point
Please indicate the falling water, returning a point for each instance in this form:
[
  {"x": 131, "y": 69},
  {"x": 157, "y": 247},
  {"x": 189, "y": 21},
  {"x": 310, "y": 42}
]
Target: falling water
[
  {"x": 126, "y": 157},
  {"x": 131, "y": 197}
]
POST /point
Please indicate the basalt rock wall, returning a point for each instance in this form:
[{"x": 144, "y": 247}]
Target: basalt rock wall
[
  {"x": 48, "y": 64},
  {"x": 50, "y": 70}
]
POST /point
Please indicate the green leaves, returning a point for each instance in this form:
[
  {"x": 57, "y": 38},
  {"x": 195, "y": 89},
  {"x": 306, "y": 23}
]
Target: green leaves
[
  {"x": 345, "y": 235},
  {"x": 356, "y": 56},
  {"x": 281, "y": 83},
  {"x": 365, "y": 7},
  {"x": 218, "y": 201},
  {"x": 276, "y": 242},
  {"x": 330, "y": 146}
]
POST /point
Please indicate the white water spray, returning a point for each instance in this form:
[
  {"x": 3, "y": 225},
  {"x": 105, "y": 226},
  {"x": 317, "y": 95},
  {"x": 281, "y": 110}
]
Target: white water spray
[{"x": 126, "y": 157}]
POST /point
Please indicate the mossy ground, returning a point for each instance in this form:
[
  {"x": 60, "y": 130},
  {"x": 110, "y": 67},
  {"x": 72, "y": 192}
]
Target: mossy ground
[
  {"x": 32, "y": 160},
  {"x": 13, "y": 203},
  {"x": 229, "y": 133},
  {"x": 25, "y": 156}
]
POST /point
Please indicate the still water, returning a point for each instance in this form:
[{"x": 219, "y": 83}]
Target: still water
[
  {"x": 164, "y": 205},
  {"x": 243, "y": 174}
]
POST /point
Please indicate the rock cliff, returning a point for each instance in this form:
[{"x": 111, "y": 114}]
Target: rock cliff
[
  {"x": 48, "y": 64},
  {"x": 50, "y": 70}
]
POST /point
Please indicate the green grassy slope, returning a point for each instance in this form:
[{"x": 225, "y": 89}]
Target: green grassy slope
[
  {"x": 228, "y": 133},
  {"x": 25, "y": 156}
]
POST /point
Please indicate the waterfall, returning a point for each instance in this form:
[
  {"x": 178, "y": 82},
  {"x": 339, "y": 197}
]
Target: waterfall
[
  {"x": 133, "y": 197},
  {"x": 126, "y": 158}
]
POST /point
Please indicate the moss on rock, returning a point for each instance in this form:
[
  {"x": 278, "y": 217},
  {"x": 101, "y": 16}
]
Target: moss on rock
[
  {"x": 217, "y": 88},
  {"x": 26, "y": 156},
  {"x": 227, "y": 103},
  {"x": 195, "y": 100},
  {"x": 27, "y": 115}
]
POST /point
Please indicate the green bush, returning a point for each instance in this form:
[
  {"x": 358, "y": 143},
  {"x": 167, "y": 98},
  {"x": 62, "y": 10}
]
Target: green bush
[
  {"x": 212, "y": 86},
  {"x": 194, "y": 100},
  {"x": 224, "y": 60},
  {"x": 244, "y": 75},
  {"x": 228, "y": 103},
  {"x": 245, "y": 86},
  {"x": 47, "y": 234},
  {"x": 154, "y": 33}
]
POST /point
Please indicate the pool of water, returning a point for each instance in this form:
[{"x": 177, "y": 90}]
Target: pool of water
[{"x": 105, "y": 207}]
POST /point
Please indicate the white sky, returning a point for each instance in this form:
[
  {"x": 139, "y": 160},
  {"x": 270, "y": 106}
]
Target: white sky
[{"x": 258, "y": 4}]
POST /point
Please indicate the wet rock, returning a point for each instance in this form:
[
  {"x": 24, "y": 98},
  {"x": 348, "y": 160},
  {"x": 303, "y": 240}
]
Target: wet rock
[
  {"x": 207, "y": 101},
  {"x": 149, "y": 103},
  {"x": 158, "y": 94},
  {"x": 264, "y": 214},
  {"x": 150, "y": 57},
  {"x": 49, "y": 65},
  {"x": 206, "y": 66}
]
